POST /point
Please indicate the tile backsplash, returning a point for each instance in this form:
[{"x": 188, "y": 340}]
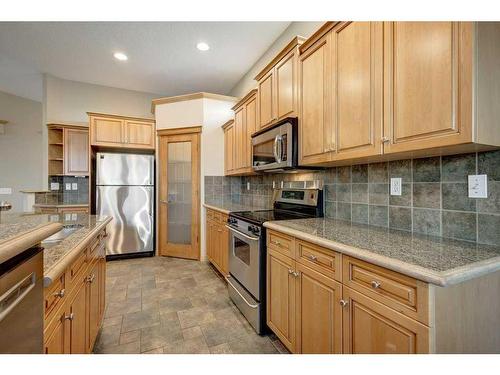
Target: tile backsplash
[
  {"x": 434, "y": 198},
  {"x": 63, "y": 196}
]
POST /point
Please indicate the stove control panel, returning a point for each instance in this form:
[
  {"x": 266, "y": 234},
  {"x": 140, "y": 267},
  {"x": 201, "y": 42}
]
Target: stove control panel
[
  {"x": 254, "y": 229},
  {"x": 232, "y": 221}
]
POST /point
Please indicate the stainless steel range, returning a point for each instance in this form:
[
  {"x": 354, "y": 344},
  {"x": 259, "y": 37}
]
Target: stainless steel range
[{"x": 247, "y": 245}]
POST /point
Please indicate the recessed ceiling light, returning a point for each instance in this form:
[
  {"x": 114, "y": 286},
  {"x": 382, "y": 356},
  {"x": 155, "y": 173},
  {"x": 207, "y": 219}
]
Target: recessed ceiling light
[
  {"x": 120, "y": 56},
  {"x": 202, "y": 46}
]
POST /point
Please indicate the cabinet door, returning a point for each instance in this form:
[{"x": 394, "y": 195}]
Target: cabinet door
[
  {"x": 76, "y": 152},
  {"x": 357, "y": 88},
  {"x": 372, "y": 328},
  {"x": 55, "y": 343},
  {"x": 319, "y": 314},
  {"x": 78, "y": 321},
  {"x": 208, "y": 239},
  {"x": 265, "y": 100},
  {"x": 102, "y": 285},
  {"x": 281, "y": 309},
  {"x": 229, "y": 149},
  {"x": 140, "y": 134},
  {"x": 316, "y": 131},
  {"x": 224, "y": 249},
  {"x": 251, "y": 127},
  {"x": 428, "y": 73},
  {"x": 286, "y": 86},
  {"x": 93, "y": 292},
  {"x": 240, "y": 134},
  {"x": 107, "y": 131}
]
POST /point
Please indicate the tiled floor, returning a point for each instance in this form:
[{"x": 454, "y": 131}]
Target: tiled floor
[{"x": 168, "y": 305}]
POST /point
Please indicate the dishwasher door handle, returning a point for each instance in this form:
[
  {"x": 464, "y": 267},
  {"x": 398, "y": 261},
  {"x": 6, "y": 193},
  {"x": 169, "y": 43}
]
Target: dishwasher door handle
[{"x": 10, "y": 299}]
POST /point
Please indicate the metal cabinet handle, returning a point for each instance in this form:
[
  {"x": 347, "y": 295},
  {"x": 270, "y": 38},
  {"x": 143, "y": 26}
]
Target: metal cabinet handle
[
  {"x": 343, "y": 303},
  {"x": 69, "y": 317},
  {"x": 60, "y": 294},
  {"x": 290, "y": 272},
  {"x": 385, "y": 139},
  {"x": 277, "y": 243},
  {"x": 313, "y": 258},
  {"x": 375, "y": 284},
  {"x": 296, "y": 274}
]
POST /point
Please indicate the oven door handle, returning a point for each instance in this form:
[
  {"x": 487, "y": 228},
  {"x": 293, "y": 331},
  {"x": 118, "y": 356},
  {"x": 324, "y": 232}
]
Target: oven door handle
[
  {"x": 253, "y": 306},
  {"x": 242, "y": 234}
]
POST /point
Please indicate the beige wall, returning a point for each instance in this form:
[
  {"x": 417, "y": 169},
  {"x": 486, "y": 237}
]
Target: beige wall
[
  {"x": 247, "y": 82},
  {"x": 20, "y": 147}
]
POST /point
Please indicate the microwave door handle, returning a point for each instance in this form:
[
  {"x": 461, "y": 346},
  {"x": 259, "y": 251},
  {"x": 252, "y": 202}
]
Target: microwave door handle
[{"x": 276, "y": 146}]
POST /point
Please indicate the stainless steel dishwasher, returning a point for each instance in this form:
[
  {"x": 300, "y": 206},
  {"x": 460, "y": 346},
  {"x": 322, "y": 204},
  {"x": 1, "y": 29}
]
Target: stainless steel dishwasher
[{"x": 21, "y": 303}]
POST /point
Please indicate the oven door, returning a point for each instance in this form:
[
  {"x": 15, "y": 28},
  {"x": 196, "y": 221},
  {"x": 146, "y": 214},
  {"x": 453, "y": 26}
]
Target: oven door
[
  {"x": 273, "y": 148},
  {"x": 244, "y": 260}
]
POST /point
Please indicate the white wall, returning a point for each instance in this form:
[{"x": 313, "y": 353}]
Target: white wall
[
  {"x": 179, "y": 114},
  {"x": 20, "y": 147},
  {"x": 247, "y": 82}
]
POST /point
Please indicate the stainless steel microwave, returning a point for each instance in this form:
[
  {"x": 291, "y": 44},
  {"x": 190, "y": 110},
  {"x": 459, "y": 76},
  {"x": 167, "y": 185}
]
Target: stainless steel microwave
[{"x": 276, "y": 148}]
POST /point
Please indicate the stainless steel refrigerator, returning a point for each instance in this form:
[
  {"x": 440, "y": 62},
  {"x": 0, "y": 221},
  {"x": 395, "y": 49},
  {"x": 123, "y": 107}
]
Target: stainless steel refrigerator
[{"x": 125, "y": 191}]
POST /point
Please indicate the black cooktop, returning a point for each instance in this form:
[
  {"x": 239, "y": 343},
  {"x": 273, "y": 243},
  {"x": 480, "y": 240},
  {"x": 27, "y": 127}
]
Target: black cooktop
[{"x": 259, "y": 217}]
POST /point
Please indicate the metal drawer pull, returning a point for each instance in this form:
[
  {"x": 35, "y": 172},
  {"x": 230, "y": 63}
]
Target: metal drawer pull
[
  {"x": 277, "y": 243},
  {"x": 313, "y": 257},
  {"x": 69, "y": 317},
  {"x": 90, "y": 278},
  {"x": 343, "y": 303},
  {"x": 60, "y": 294},
  {"x": 375, "y": 284}
]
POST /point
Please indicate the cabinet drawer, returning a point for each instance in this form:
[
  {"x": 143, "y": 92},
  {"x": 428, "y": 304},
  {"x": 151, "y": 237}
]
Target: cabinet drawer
[
  {"x": 323, "y": 260},
  {"x": 76, "y": 269},
  {"x": 402, "y": 293},
  {"x": 54, "y": 295},
  {"x": 280, "y": 242}
]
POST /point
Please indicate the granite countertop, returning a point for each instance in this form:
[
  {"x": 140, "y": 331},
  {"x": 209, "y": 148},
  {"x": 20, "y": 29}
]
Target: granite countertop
[
  {"x": 436, "y": 260},
  {"x": 56, "y": 258},
  {"x": 228, "y": 207},
  {"x": 19, "y": 232}
]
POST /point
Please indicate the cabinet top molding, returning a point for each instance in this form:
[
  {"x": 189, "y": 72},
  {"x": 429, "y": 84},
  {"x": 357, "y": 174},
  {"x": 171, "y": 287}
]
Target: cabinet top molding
[
  {"x": 63, "y": 124},
  {"x": 245, "y": 99},
  {"x": 193, "y": 96},
  {"x": 296, "y": 41},
  {"x": 120, "y": 117},
  {"x": 227, "y": 124},
  {"x": 327, "y": 26}
]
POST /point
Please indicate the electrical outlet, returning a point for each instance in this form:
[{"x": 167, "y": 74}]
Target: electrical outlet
[
  {"x": 74, "y": 186},
  {"x": 396, "y": 186},
  {"x": 74, "y": 217},
  {"x": 274, "y": 184},
  {"x": 67, "y": 217},
  {"x": 68, "y": 186},
  {"x": 6, "y": 191},
  {"x": 248, "y": 185},
  {"x": 478, "y": 186},
  {"x": 54, "y": 186}
]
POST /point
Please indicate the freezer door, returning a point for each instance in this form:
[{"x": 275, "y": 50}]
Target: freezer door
[
  {"x": 131, "y": 208},
  {"x": 124, "y": 169}
]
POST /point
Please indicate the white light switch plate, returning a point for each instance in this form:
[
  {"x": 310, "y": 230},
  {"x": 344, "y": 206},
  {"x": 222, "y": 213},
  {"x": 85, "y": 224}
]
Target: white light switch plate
[
  {"x": 68, "y": 186},
  {"x": 478, "y": 186},
  {"x": 74, "y": 186},
  {"x": 396, "y": 185},
  {"x": 248, "y": 185},
  {"x": 54, "y": 186},
  {"x": 7, "y": 191}
]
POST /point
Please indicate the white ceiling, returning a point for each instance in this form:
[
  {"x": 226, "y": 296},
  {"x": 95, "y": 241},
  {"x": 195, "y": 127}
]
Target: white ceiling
[{"x": 163, "y": 58}]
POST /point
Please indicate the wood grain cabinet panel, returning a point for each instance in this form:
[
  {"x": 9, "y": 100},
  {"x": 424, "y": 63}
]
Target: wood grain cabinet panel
[
  {"x": 251, "y": 127},
  {"x": 240, "y": 133},
  {"x": 286, "y": 86},
  {"x": 319, "y": 314},
  {"x": 428, "y": 73},
  {"x": 76, "y": 152},
  {"x": 229, "y": 154},
  {"x": 55, "y": 342},
  {"x": 265, "y": 100},
  {"x": 140, "y": 134},
  {"x": 281, "y": 289},
  {"x": 357, "y": 88},
  {"x": 217, "y": 241},
  {"x": 93, "y": 291},
  {"x": 316, "y": 130},
  {"x": 78, "y": 321},
  {"x": 372, "y": 328},
  {"x": 107, "y": 131}
]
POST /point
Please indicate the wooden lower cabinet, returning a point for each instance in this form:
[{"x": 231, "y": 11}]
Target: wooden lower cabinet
[
  {"x": 313, "y": 313},
  {"x": 319, "y": 313},
  {"x": 281, "y": 286},
  {"x": 217, "y": 241},
  {"x": 372, "y": 328},
  {"x": 72, "y": 322}
]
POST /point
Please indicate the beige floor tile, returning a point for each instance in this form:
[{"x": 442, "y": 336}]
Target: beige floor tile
[
  {"x": 221, "y": 349},
  {"x": 141, "y": 319},
  {"x": 192, "y": 332},
  {"x": 131, "y": 336}
]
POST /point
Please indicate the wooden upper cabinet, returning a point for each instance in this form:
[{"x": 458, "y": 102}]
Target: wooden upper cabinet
[
  {"x": 278, "y": 86},
  {"x": 251, "y": 127},
  {"x": 369, "y": 327},
  {"x": 240, "y": 133},
  {"x": 228, "y": 129},
  {"x": 428, "y": 84},
  {"x": 316, "y": 132},
  {"x": 76, "y": 152},
  {"x": 122, "y": 132},
  {"x": 140, "y": 133},
  {"x": 357, "y": 65}
]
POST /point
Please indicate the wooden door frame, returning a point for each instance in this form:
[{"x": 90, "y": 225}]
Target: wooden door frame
[{"x": 192, "y": 134}]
